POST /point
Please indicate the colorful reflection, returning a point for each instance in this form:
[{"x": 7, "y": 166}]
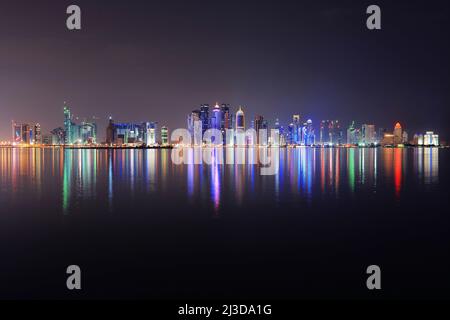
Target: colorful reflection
[{"x": 111, "y": 179}]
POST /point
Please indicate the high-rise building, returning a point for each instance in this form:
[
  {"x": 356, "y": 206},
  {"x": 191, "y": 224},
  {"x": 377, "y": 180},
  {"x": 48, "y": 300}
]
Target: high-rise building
[
  {"x": 258, "y": 125},
  {"x": 216, "y": 118},
  {"x": 86, "y": 132},
  {"x": 16, "y": 132},
  {"x": 150, "y": 133},
  {"x": 296, "y": 129},
  {"x": 37, "y": 134},
  {"x": 398, "y": 134},
  {"x": 352, "y": 134},
  {"x": 27, "y": 133},
  {"x": 111, "y": 133},
  {"x": 368, "y": 134},
  {"x": 430, "y": 139},
  {"x": 405, "y": 137},
  {"x": 240, "y": 119},
  {"x": 380, "y": 134},
  {"x": 58, "y": 136},
  {"x": 290, "y": 134},
  {"x": 325, "y": 135},
  {"x": 164, "y": 136},
  {"x": 193, "y": 118},
  {"x": 68, "y": 134},
  {"x": 227, "y": 117},
  {"x": 308, "y": 136},
  {"x": 275, "y": 138},
  {"x": 388, "y": 139},
  {"x": 204, "y": 117},
  {"x": 336, "y": 133}
]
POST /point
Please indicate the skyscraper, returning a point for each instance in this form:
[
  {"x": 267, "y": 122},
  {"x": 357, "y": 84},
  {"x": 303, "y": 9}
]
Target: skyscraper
[
  {"x": 368, "y": 134},
  {"x": 336, "y": 133},
  {"x": 37, "y": 134},
  {"x": 227, "y": 118},
  {"x": 150, "y": 133},
  {"x": 204, "y": 117},
  {"x": 216, "y": 118},
  {"x": 111, "y": 133},
  {"x": 352, "y": 134},
  {"x": 308, "y": 136},
  {"x": 27, "y": 133},
  {"x": 68, "y": 134},
  {"x": 296, "y": 129},
  {"x": 164, "y": 136},
  {"x": 193, "y": 118},
  {"x": 258, "y": 125},
  {"x": 398, "y": 133},
  {"x": 240, "y": 119},
  {"x": 16, "y": 132},
  {"x": 325, "y": 132},
  {"x": 430, "y": 139},
  {"x": 87, "y": 133}
]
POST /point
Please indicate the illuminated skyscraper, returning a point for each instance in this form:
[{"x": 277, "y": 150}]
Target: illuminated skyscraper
[
  {"x": 368, "y": 134},
  {"x": 296, "y": 129},
  {"x": 194, "y": 117},
  {"x": 37, "y": 134},
  {"x": 111, "y": 133},
  {"x": 216, "y": 118},
  {"x": 164, "y": 136},
  {"x": 240, "y": 119},
  {"x": 27, "y": 133},
  {"x": 16, "y": 132},
  {"x": 308, "y": 136},
  {"x": 150, "y": 133},
  {"x": 204, "y": 117},
  {"x": 325, "y": 132},
  {"x": 430, "y": 139},
  {"x": 87, "y": 133},
  {"x": 227, "y": 117},
  {"x": 352, "y": 134},
  {"x": 405, "y": 137},
  {"x": 258, "y": 125},
  {"x": 398, "y": 134},
  {"x": 68, "y": 134}
]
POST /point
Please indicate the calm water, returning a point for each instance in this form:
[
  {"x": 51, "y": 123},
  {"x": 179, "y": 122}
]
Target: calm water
[{"x": 142, "y": 227}]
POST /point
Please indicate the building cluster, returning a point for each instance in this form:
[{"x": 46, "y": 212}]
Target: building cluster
[
  {"x": 231, "y": 127},
  {"x": 26, "y": 134},
  {"x": 298, "y": 133},
  {"x": 136, "y": 134}
]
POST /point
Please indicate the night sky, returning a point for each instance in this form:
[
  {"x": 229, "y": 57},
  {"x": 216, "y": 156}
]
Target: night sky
[{"x": 158, "y": 60}]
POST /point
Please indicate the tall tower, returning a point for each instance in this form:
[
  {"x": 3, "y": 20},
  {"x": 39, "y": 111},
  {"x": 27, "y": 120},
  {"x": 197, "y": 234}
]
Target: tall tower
[
  {"x": 37, "y": 134},
  {"x": 67, "y": 125},
  {"x": 240, "y": 119},
  {"x": 164, "y": 136},
  {"x": 296, "y": 129},
  {"x": 216, "y": 117},
  {"x": 204, "y": 117},
  {"x": 227, "y": 119},
  {"x": 398, "y": 133}
]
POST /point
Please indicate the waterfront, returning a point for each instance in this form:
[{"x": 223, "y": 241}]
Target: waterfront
[{"x": 141, "y": 226}]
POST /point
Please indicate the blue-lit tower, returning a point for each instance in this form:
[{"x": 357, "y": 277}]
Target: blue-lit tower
[
  {"x": 204, "y": 117},
  {"x": 68, "y": 134}
]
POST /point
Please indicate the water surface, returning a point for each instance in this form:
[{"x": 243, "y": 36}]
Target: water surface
[{"x": 142, "y": 227}]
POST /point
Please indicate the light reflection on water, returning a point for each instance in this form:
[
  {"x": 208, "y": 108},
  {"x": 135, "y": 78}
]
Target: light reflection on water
[{"x": 112, "y": 177}]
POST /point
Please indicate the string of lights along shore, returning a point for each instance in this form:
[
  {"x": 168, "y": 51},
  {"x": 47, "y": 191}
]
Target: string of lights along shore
[{"x": 300, "y": 132}]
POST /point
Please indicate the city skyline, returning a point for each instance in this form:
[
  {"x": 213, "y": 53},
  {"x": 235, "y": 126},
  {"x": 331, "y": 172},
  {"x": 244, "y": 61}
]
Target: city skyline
[{"x": 300, "y": 131}]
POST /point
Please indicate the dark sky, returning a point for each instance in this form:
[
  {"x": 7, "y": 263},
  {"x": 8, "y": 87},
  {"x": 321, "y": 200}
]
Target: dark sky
[{"x": 158, "y": 60}]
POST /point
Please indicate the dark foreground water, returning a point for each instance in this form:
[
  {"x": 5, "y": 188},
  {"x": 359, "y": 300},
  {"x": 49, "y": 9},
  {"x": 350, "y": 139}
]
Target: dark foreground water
[{"x": 140, "y": 226}]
